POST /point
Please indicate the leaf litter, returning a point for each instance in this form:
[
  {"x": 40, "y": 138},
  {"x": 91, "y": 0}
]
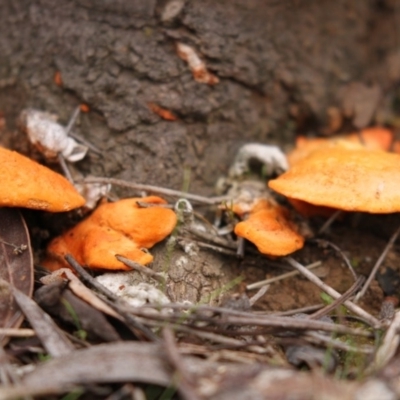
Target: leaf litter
[{"x": 228, "y": 343}]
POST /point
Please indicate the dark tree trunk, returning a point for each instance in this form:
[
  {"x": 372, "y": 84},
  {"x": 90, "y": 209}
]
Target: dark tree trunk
[{"x": 280, "y": 64}]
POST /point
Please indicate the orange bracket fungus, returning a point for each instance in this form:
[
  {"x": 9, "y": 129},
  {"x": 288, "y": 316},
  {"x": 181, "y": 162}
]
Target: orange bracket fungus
[
  {"x": 30, "y": 185},
  {"x": 346, "y": 179},
  {"x": 376, "y": 138},
  {"x": 121, "y": 228},
  {"x": 269, "y": 227}
]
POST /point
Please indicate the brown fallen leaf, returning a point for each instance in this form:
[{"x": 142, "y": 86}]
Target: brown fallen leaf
[
  {"x": 79, "y": 289},
  {"x": 60, "y": 302},
  {"x": 52, "y": 338},
  {"x": 145, "y": 362},
  {"x": 16, "y": 265}
]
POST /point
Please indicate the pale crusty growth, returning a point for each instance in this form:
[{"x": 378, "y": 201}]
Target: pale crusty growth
[
  {"x": 31, "y": 185},
  {"x": 346, "y": 179},
  {"x": 121, "y": 228},
  {"x": 269, "y": 227}
]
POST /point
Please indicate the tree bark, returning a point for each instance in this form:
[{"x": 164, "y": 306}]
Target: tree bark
[{"x": 280, "y": 65}]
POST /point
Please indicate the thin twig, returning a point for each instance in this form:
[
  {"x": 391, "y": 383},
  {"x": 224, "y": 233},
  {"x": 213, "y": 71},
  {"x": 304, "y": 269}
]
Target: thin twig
[
  {"x": 336, "y": 303},
  {"x": 329, "y": 221},
  {"x": 141, "y": 268},
  {"x": 318, "y": 339},
  {"x": 72, "y": 120},
  {"x": 242, "y": 319},
  {"x": 183, "y": 380},
  {"x": 93, "y": 283},
  {"x": 333, "y": 293},
  {"x": 65, "y": 168},
  {"x": 288, "y": 313},
  {"x": 258, "y": 295},
  {"x": 259, "y": 284},
  {"x": 158, "y": 189},
  {"x": 218, "y": 249},
  {"x": 86, "y": 143},
  {"x": 213, "y": 238},
  {"x": 15, "y": 332},
  {"x": 324, "y": 242},
  {"x": 241, "y": 244},
  {"x": 378, "y": 264}
]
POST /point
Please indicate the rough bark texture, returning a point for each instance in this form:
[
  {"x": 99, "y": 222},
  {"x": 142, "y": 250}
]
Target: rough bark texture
[{"x": 281, "y": 64}]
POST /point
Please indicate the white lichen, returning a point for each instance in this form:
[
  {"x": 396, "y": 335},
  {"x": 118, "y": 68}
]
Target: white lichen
[
  {"x": 136, "y": 294},
  {"x": 272, "y": 157},
  {"x": 50, "y": 137}
]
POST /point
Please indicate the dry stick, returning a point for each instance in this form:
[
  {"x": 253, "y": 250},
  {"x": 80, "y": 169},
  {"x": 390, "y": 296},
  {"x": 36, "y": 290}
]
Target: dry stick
[
  {"x": 259, "y": 284},
  {"x": 345, "y": 296},
  {"x": 141, "y": 268},
  {"x": 378, "y": 264},
  {"x": 329, "y": 221},
  {"x": 258, "y": 295},
  {"x": 157, "y": 189},
  {"x": 64, "y": 167},
  {"x": 17, "y": 332},
  {"x": 319, "y": 339},
  {"x": 287, "y": 313},
  {"x": 182, "y": 379},
  {"x": 79, "y": 138},
  {"x": 217, "y": 249},
  {"x": 333, "y": 293},
  {"x": 240, "y": 318},
  {"x": 324, "y": 242},
  {"x": 72, "y": 120},
  {"x": 60, "y": 157},
  {"x": 241, "y": 244},
  {"x": 92, "y": 282},
  {"x": 213, "y": 238},
  {"x": 9, "y": 376}
]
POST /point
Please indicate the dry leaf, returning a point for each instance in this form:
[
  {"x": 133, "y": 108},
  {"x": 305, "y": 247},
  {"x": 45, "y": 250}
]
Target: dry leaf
[
  {"x": 16, "y": 265},
  {"x": 58, "y": 301},
  {"x": 54, "y": 341}
]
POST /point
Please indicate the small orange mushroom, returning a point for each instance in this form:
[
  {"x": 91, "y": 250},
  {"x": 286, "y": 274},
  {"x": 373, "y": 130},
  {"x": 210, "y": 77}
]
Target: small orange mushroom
[
  {"x": 346, "y": 179},
  {"x": 269, "y": 227},
  {"x": 122, "y": 228},
  {"x": 31, "y": 185}
]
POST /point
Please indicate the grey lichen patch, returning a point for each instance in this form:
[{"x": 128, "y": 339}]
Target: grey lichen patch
[
  {"x": 194, "y": 275},
  {"x": 131, "y": 288}
]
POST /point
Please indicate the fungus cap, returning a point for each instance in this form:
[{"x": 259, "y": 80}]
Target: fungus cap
[
  {"x": 31, "y": 185},
  {"x": 271, "y": 230},
  {"x": 346, "y": 179},
  {"x": 94, "y": 246},
  {"x": 122, "y": 228},
  {"x": 144, "y": 225},
  {"x": 376, "y": 138}
]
